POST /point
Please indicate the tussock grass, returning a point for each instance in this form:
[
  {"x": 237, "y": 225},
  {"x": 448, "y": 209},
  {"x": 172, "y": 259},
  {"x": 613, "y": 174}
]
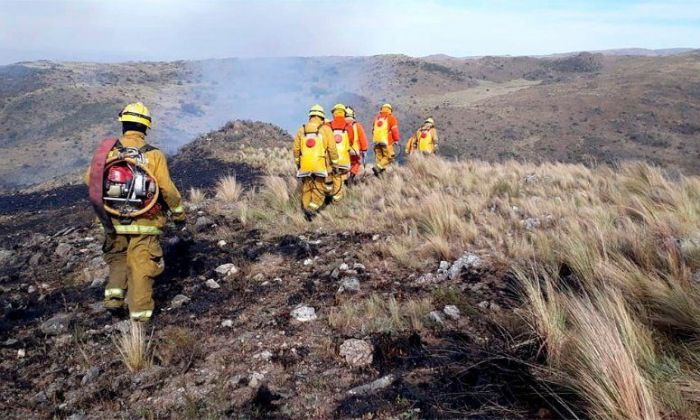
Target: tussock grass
[
  {"x": 606, "y": 258},
  {"x": 376, "y": 314},
  {"x": 228, "y": 189},
  {"x": 196, "y": 196},
  {"x": 134, "y": 348}
]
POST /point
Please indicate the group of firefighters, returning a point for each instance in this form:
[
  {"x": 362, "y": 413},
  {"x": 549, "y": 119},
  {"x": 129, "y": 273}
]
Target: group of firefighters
[
  {"x": 329, "y": 154},
  {"x": 133, "y": 194}
]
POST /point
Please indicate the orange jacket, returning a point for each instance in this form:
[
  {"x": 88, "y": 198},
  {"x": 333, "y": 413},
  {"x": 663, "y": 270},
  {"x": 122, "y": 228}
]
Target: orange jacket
[
  {"x": 339, "y": 123},
  {"x": 393, "y": 126},
  {"x": 361, "y": 143}
]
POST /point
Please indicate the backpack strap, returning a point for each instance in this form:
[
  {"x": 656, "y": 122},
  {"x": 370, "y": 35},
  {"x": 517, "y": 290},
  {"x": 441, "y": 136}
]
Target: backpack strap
[{"x": 147, "y": 148}]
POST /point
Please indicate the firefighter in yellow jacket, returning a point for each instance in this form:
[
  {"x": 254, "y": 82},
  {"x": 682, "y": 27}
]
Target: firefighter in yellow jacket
[
  {"x": 132, "y": 249},
  {"x": 425, "y": 140},
  {"x": 385, "y": 135},
  {"x": 316, "y": 159},
  {"x": 343, "y": 136}
]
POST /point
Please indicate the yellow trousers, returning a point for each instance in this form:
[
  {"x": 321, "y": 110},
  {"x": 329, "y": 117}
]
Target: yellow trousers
[
  {"x": 313, "y": 192},
  {"x": 134, "y": 262},
  {"x": 384, "y": 155},
  {"x": 338, "y": 191}
]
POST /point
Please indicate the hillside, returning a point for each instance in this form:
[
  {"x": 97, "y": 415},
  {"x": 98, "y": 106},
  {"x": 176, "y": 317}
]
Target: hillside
[
  {"x": 466, "y": 289},
  {"x": 579, "y": 108}
]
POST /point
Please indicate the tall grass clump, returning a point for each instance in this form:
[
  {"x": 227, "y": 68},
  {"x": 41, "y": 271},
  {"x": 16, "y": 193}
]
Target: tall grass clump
[
  {"x": 228, "y": 189},
  {"x": 134, "y": 347}
]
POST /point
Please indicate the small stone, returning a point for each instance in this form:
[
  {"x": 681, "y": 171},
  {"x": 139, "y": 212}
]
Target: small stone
[
  {"x": 343, "y": 267},
  {"x": 436, "y": 318},
  {"x": 212, "y": 284},
  {"x": 304, "y": 314},
  {"x": 444, "y": 266},
  {"x": 308, "y": 261},
  {"x": 10, "y": 342},
  {"x": 264, "y": 355},
  {"x": 31, "y": 289},
  {"x": 98, "y": 282},
  {"x": 452, "y": 312},
  {"x": 696, "y": 277},
  {"x": 277, "y": 280},
  {"x": 357, "y": 353},
  {"x": 35, "y": 259},
  {"x": 21, "y": 353},
  {"x": 221, "y": 243},
  {"x": 531, "y": 223},
  {"x": 335, "y": 274},
  {"x": 375, "y": 237},
  {"x": 227, "y": 323},
  {"x": 374, "y": 386},
  {"x": 6, "y": 256},
  {"x": 465, "y": 262},
  {"x": 63, "y": 250},
  {"x": 56, "y": 325},
  {"x": 255, "y": 379},
  {"x": 259, "y": 277},
  {"x": 484, "y": 304},
  {"x": 90, "y": 375},
  {"x": 349, "y": 284},
  {"x": 203, "y": 223},
  {"x": 494, "y": 306},
  {"x": 178, "y": 301},
  {"x": 359, "y": 267},
  {"x": 226, "y": 270}
]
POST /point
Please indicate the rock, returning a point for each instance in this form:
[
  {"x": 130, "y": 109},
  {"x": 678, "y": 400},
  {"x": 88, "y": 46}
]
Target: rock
[
  {"x": 484, "y": 304},
  {"x": 436, "y": 318},
  {"x": 226, "y": 270},
  {"x": 63, "y": 251},
  {"x": 304, "y": 314},
  {"x": 56, "y": 325},
  {"x": 259, "y": 277},
  {"x": 349, "y": 284},
  {"x": 494, "y": 306},
  {"x": 452, "y": 312},
  {"x": 335, "y": 274},
  {"x": 359, "y": 267},
  {"x": 308, "y": 261},
  {"x": 372, "y": 387},
  {"x": 35, "y": 259},
  {"x": 10, "y": 342},
  {"x": 430, "y": 278},
  {"x": 31, "y": 289},
  {"x": 465, "y": 262},
  {"x": 531, "y": 178},
  {"x": 6, "y": 257},
  {"x": 255, "y": 379},
  {"x": 90, "y": 375},
  {"x": 444, "y": 266},
  {"x": 96, "y": 308},
  {"x": 227, "y": 323},
  {"x": 178, "y": 301},
  {"x": 343, "y": 267},
  {"x": 40, "y": 398},
  {"x": 98, "y": 282},
  {"x": 221, "y": 243},
  {"x": 357, "y": 353},
  {"x": 202, "y": 223},
  {"x": 375, "y": 237},
  {"x": 21, "y": 353},
  {"x": 122, "y": 326},
  {"x": 212, "y": 284},
  {"x": 696, "y": 277},
  {"x": 264, "y": 355},
  {"x": 531, "y": 223}
]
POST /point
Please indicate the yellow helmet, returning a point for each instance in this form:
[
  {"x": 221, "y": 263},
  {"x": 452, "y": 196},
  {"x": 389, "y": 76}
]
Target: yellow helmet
[
  {"x": 430, "y": 121},
  {"x": 136, "y": 112},
  {"x": 387, "y": 106},
  {"x": 350, "y": 112},
  {"x": 317, "y": 111},
  {"x": 339, "y": 107}
]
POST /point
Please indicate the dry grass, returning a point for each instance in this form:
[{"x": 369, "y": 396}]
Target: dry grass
[
  {"x": 228, "y": 189},
  {"x": 197, "y": 196},
  {"x": 376, "y": 314},
  {"x": 134, "y": 347},
  {"x": 606, "y": 259}
]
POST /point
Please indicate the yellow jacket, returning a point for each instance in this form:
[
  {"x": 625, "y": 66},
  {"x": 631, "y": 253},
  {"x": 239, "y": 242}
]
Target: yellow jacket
[
  {"x": 155, "y": 162},
  {"x": 412, "y": 144},
  {"x": 314, "y": 124}
]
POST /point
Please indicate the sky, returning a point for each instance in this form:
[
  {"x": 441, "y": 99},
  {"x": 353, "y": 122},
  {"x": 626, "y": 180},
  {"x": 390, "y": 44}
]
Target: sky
[{"x": 157, "y": 30}]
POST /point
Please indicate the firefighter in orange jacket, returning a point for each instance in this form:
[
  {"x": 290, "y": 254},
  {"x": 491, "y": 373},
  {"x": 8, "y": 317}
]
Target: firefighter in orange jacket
[
  {"x": 385, "y": 133},
  {"x": 316, "y": 157},
  {"x": 425, "y": 140},
  {"x": 132, "y": 249},
  {"x": 358, "y": 148},
  {"x": 344, "y": 137}
]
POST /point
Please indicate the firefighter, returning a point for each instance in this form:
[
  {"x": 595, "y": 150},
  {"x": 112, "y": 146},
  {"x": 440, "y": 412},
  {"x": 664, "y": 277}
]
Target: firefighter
[
  {"x": 316, "y": 157},
  {"x": 343, "y": 136},
  {"x": 385, "y": 134},
  {"x": 425, "y": 140},
  {"x": 131, "y": 248},
  {"x": 358, "y": 148}
]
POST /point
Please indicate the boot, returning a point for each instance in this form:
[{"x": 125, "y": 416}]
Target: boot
[{"x": 309, "y": 215}]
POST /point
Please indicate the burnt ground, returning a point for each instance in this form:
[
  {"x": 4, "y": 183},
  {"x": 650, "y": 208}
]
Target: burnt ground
[{"x": 265, "y": 364}]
